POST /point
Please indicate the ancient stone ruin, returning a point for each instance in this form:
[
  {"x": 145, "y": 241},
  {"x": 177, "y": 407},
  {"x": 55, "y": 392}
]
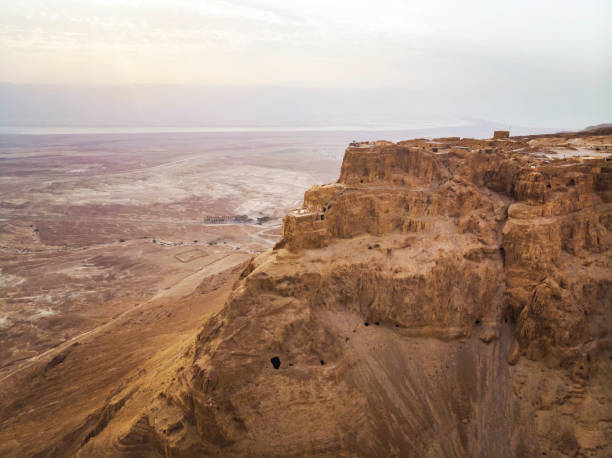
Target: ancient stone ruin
[{"x": 501, "y": 134}]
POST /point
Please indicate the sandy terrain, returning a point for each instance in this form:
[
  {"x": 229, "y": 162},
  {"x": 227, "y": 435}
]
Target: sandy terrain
[{"x": 93, "y": 226}]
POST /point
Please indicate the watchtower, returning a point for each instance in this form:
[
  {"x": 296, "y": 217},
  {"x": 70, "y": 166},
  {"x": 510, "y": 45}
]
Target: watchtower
[{"x": 501, "y": 134}]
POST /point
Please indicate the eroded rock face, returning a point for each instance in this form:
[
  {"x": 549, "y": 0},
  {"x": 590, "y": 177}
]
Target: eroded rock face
[{"x": 454, "y": 302}]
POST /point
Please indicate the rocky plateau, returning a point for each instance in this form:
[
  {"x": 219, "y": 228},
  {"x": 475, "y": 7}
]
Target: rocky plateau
[{"x": 446, "y": 297}]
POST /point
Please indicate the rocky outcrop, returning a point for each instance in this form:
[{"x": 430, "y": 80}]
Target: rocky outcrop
[{"x": 443, "y": 298}]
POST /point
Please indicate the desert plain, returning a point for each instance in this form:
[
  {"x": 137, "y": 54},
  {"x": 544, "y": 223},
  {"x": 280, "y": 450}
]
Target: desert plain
[{"x": 92, "y": 226}]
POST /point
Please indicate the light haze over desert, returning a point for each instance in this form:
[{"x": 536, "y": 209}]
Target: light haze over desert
[{"x": 266, "y": 228}]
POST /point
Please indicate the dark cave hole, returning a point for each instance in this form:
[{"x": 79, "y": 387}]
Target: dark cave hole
[
  {"x": 477, "y": 322},
  {"x": 377, "y": 323},
  {"x": 548, "y": 186},
  {"x": 275, "y": 362},
  {"x": 322, "y": 363},
  {"x": 571, "y": 182},
  {"x": 366, "y": 324},
  {"x": 502, "y": 252}
]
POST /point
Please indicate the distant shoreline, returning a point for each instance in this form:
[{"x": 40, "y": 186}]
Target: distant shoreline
[{"x": 70, "y": 130}]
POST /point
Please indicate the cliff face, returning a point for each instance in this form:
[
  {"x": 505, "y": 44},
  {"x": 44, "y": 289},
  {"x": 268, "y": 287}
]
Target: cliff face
[{"x": 443, "y": 298}]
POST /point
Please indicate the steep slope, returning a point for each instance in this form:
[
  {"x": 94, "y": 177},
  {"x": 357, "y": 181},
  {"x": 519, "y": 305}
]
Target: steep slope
[
  {"x": 57, "y": 403},
  {"x": 443, "y": 298}
]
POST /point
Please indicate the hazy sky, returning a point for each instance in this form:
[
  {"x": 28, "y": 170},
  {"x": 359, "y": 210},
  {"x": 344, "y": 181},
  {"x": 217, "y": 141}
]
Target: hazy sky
[
  {"x": 298, "y": 43},
  {"x": 455, "y": 49}
]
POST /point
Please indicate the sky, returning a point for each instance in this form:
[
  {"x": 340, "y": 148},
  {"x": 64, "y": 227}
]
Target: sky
[{"x": 529, "y": 56}]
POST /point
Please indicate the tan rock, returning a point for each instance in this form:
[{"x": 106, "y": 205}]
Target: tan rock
[
  {"x": 515, "y": 353},
  {"x": 489, "y": 335},
  {"x": 374, "y": 304}
]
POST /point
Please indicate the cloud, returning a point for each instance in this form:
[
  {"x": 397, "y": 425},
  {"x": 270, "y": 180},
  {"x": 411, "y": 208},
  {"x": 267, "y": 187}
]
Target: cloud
[{"x": 450, "y": 50}]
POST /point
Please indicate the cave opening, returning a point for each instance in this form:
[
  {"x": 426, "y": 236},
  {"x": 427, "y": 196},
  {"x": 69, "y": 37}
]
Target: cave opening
[{"x": 275, "y": 360}]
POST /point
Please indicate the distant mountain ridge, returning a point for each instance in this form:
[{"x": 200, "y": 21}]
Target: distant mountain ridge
[{"x": 599, "y": 129}]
